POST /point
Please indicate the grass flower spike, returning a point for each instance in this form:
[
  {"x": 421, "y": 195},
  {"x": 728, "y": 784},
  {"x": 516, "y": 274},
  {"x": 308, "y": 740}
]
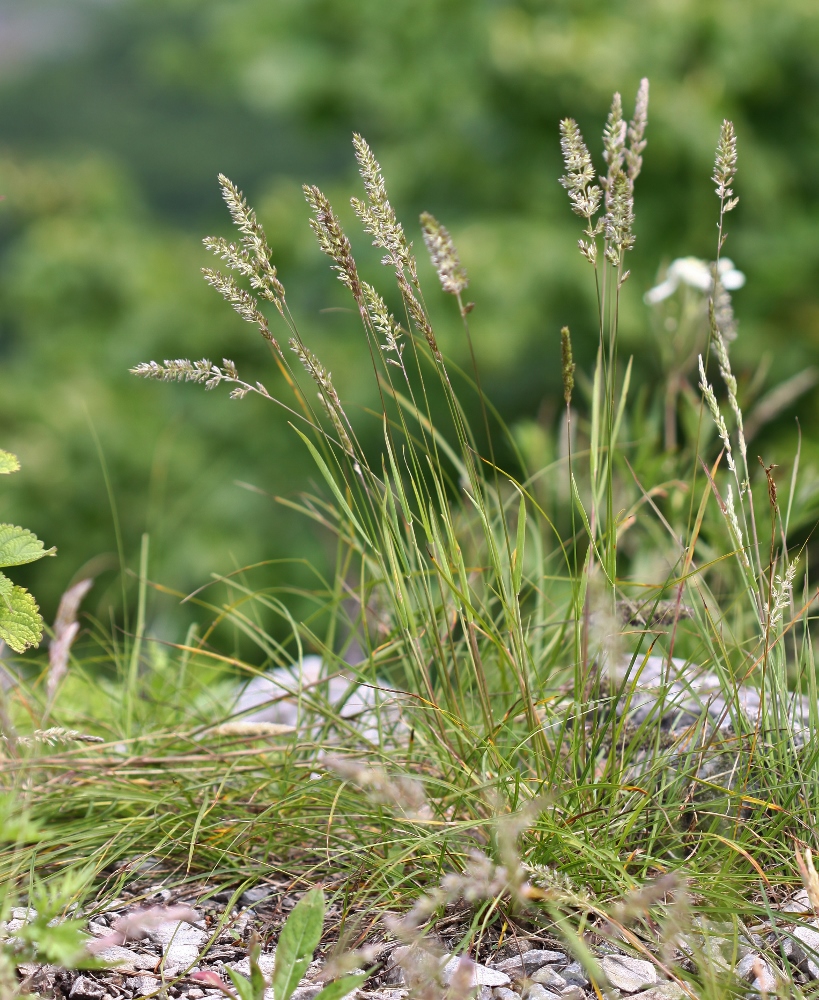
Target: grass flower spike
[{"x": 443, "y": 255}]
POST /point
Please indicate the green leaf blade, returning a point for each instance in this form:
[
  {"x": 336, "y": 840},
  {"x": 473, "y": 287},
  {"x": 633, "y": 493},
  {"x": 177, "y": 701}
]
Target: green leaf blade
[
  {"x": 342, "y": 987},
  {"x": 243, "y": 987},
  {"x": 297, "y": 942},
  {"x": 19, "y": 546}
]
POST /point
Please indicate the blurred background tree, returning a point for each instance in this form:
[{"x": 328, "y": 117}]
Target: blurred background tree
[{"x": 116, "y": 115}]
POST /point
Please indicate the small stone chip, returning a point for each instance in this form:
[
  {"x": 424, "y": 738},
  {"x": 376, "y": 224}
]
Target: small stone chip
[
  {"x": 504, "y": 993},
  {"x": 85, "y": 988},
  {"x": 538, "y": 992},
  {"x": 548, "y": 977}
]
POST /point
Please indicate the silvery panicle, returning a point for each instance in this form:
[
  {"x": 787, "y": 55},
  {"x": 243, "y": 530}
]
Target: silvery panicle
[
  {"x": 332, "y": 240},
  {"x": 245, "y": 304},
  {"x": 384, "y": 323},
  {"x": 583, "y": 194},
  {"x": 418, "y": 316},
  {"x": 328, "y": 397},
  {"x": 184, "y": 370},
  {"x": 250, "y": 258},
  {"x": 618, "y": 183},
  {"x": 378, "y": 214},
  {"x": 443, "y": 255},
  {"x": 623, "y": 145},
  {"x": 725, "y": 166}
]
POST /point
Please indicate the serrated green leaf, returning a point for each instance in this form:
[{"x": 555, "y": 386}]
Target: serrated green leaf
[
  {"x": 20, "y": 623},
  {"x": 297, "y": 942},
  {"x": 8, "y": 462},
  {"x": 6, "y": 587},
  {"x": 341, "y": 987},
  {"x": 19, "y": 546}
]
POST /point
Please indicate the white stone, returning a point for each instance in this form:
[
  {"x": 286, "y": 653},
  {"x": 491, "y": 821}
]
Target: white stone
[
  {"x": 628, "y": 974},
  {"x": 481, "y": 975},
  {"x": 126, "y": 960},
  {"x": 504, "y": 993},
  {"x": 84, "y": 988},
  {"x": 665, "y": 991},
  {"x": 548, "y": 977},
  {"x": 23, "y": 913},
  {"x": 573, "y": 992},
  {"x": 266, "y": 963},
  {"x": 575, "y": 974},
  {"x": 754, "y": 969},
  {"x": 181, "y": 943},
  {"x": 529, "y": 961},
  {"x": 538, "y": 992},
  {"x": 143, "y": 986},
  {"x": 810, "y": 939}
]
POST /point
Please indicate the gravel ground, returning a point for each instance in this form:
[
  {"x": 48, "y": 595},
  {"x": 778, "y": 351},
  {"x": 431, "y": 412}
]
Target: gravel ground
[{"x": 164, "y": 961}]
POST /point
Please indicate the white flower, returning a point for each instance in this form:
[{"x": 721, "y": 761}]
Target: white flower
[{"x": 695, "y": 273}]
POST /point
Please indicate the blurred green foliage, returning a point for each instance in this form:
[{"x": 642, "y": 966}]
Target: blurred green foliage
[{"x": 111, "y": 147}]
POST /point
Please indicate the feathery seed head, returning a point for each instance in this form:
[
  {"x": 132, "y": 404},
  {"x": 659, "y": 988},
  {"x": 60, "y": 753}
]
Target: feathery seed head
[
  {"x": 252, "y": 259},
  {"x": 184, "y": 370},
  {"x": 378, "y": 215},
  {"x": 443, "y": 255},
  {"x": 332, "y": 239},
  {"x": 328, "y": 397},
  {"x": 619, "y": 220},
  {"x": 418, "y": 316},
  {"x": 614, "y": 138},
  {"x": 636, "y": 132},
  {"x": 725, "y": 166},
  {"x": 584, "y": 196},
  {"x": 245, "y": 304},
  {"x": 567, "y": 364},
  {"x": 383, "y": 322}
]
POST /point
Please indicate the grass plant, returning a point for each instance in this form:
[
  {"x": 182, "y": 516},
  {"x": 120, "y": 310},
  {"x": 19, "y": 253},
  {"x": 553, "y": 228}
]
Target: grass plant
[{"x": 514, "y": 610}]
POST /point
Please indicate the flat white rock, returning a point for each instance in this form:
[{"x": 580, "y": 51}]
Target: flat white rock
[
  {"x": 538, "y": 992},
  {"x": 181, "y": 943},
  {"x": 549, "y": 978},
  {"x": 529, "y": 961},
  {"x": 481, "y": 975},
  {"x": 266, "y": 963},
  {"x": 664, "y": 991},
  {"x": 810, "y": 939},
  {"x": 628, "y": 974},
  {"x": 126, "y": 960}
]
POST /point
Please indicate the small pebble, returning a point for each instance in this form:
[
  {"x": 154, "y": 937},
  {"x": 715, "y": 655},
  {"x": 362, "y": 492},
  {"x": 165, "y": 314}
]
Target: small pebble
[
  {"x": 504, "y": 993},
  {"x": 573, "y": 992},
  {"x": 548, "y": 977},
  {"x": 538, "y": 992},
  {"x": 575, "y": 974}
]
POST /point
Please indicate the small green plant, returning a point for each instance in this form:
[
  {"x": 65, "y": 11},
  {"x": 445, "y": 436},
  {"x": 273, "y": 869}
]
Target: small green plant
[
  {"x": 21, "y": 624},
  {"x": 297, "y": 942},
  {"x": 42, "y": 934}
]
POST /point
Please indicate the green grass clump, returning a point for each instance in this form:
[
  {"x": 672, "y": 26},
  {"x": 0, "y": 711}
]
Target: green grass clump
[{"x": 509, "y": 611}]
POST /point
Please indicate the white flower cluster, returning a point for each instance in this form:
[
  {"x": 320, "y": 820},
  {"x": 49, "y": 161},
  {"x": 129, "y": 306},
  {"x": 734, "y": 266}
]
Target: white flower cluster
[{"x": 697, "y": 274}]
